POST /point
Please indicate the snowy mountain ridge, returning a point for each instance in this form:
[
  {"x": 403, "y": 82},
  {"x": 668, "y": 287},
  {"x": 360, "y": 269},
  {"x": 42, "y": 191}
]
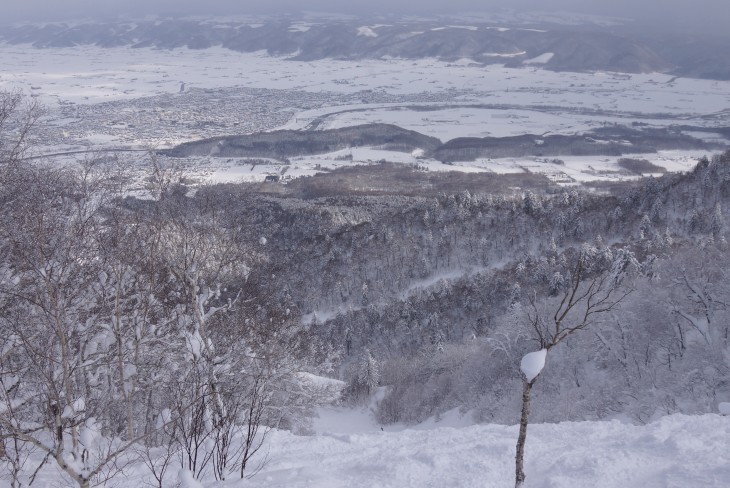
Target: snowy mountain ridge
[{"x": 585, "y": 46}]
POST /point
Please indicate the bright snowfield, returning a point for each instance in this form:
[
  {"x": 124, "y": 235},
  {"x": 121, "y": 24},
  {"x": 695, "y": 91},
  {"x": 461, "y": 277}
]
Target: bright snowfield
[
  {"x": 350, "y": 450},
  {"x": 465, "y": 100},
  {"x": 87, "y": 74}
]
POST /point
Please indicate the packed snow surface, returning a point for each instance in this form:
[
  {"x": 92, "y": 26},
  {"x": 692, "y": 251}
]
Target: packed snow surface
[{"x": 533, "y": 363}]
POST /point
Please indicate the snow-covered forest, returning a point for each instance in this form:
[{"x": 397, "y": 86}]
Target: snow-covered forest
[{"x": 187, "y": 327}]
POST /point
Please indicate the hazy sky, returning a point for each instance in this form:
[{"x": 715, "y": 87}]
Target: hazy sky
[{"x": 715, "y": 13}]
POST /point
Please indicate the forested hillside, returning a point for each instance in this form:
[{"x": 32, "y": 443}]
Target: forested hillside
[{"x": 438, "y": 288}]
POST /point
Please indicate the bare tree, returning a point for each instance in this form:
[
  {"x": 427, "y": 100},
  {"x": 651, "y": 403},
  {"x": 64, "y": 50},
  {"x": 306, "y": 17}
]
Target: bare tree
[
  {"x": 49, "y": 279},
  {"x": 18, "y": 118},
  {"x": 65, "y": 347},
  {"x": 593, "y": 287}
]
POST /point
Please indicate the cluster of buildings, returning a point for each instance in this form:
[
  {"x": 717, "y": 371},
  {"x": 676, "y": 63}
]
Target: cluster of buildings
[{"x": 166, "y": 120}]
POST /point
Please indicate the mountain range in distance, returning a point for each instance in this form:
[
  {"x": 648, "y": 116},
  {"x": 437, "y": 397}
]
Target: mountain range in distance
[{"x": 577, "y": 46}]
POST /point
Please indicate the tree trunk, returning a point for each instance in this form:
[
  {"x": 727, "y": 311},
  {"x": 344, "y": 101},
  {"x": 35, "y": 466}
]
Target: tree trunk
[{"x": 524, "y": 419}]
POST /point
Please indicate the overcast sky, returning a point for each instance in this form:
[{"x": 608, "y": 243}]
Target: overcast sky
[{"x": 677, "y": 13}]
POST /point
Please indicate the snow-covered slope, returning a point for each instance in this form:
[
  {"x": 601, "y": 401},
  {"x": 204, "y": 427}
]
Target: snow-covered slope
[
  {"x": 351, "y": 450},
  {"x": 676, "y": 451}
]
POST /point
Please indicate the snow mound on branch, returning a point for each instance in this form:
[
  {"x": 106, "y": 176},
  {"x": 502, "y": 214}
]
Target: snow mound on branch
[
  {"x": 533, "y": 363},
  {"x": 90, "y": 433},
  {"x": 724, "y": 408}
]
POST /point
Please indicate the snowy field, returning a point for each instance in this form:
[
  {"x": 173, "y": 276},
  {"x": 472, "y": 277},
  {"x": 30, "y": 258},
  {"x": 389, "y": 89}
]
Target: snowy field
[
  {"x": 574, "y": 170},
  {"x": 451, "y": 121},
  {"x": 468, "y": 121},
  {"x": 462, "y": 99},
  {"x": 87, "y": 74}
]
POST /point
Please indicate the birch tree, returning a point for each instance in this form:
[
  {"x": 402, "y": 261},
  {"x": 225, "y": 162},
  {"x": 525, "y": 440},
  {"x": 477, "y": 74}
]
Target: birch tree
[
  {"x": 55, "y": 364},
  {"x": 592, "y": 286}
]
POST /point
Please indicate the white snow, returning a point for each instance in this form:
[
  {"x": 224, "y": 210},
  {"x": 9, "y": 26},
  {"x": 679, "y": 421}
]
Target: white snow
[
  {"x": 366, "y": 32},
  {"x": 187, "y": 480},
  {"x": 89, "y": 433},
  {"x": 532, "y": 364},
  {"x": 494, "y": 101},
  {"x": 724, "y": 408},
  {"x": 674, "y": 451},
  {"x": 88, "y": 74},
  {"x": 79, "y": 405},
  {"x": 573, "y": 170},
  {"x": 164, "y": 418},
  {"x": 341, "y": 420},
  {"x": 541, "y": 59},
  {"x": 329, "y": 390},
  {"x": 300, "y": 27},
  {"x": 431, "y": 280},
  {"x": 506, "y": 55},
  {"x": 360, "y": 420},
  {"x": 194, "y": 344},
  {"x": 466, "y": 27},
  {"x": 320, "y": 381},
  {"x": 451, "y": 121},
  {"x": 350, "y": 449},
  {"x": 465, "y": 62}
]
